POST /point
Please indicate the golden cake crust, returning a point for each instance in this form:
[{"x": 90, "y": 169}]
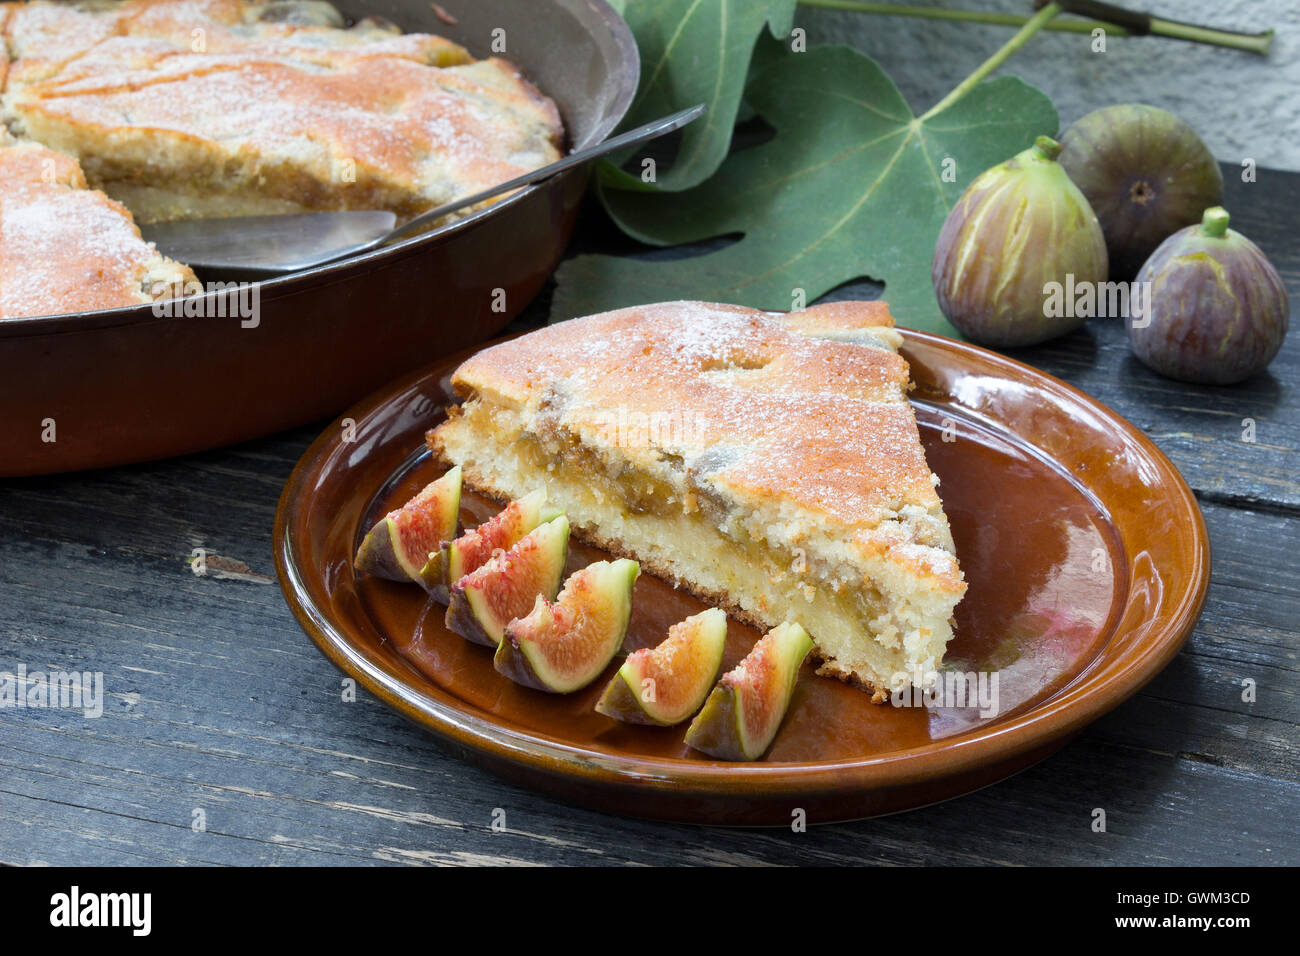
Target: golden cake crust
[
  {"x": 193, "y": 96},
  {"x": 203, "y": 96},
  {"x": 198, "y": 108}
]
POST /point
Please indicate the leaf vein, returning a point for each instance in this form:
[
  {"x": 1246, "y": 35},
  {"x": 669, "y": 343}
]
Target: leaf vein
[
  {"x": 840, "y": 157},
  {"x": 839, "y": 223},
  {"x": 710, "y": 118},
  {"x": 670, "y": 46}
]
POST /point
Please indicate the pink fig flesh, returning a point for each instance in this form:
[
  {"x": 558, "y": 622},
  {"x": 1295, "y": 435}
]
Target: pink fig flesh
[
  {"x": 398, "y": 546},
  {"x": 485, "y": 600}
]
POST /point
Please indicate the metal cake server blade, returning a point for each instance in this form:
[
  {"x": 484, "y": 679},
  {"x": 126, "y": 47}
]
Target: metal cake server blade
[
  {"x": 274, "y": 243},
  {"x": 288, "y": 243}
]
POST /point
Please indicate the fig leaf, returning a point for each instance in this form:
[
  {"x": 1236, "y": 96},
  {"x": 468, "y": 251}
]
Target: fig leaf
[
  {"x": 694, "y": 51},
  {"x": 853, "y": 184}
]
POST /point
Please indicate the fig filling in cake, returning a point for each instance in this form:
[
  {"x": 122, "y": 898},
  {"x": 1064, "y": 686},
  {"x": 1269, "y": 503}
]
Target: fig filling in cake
[{"x": 768, "y": 463}]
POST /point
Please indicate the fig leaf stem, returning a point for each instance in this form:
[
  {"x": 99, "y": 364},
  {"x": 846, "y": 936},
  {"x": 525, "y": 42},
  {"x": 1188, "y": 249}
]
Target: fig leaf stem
[
  {"x": 1258, "y": 43},
  {"x": 1250, "y": 42},
  {"x": 1021, "y": 37}
]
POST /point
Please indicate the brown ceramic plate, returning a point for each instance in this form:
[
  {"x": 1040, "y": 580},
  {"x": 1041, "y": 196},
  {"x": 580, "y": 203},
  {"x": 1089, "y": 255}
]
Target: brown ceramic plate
[{"x": 1085, "y": 552}]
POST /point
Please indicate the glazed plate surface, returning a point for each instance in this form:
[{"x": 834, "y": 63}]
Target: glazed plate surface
[{"x": 1085, "y": 553}]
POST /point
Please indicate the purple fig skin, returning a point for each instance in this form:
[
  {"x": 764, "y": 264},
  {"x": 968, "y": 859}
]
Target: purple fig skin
[
  {"x": 433, "y": 576},
  {"x": 1146, "y": 175},
  {"x": 1218, "y": 308},
  {"x": 1018, "y": 227},
  {"x": 462, "y": 620},
  {"x": 377, "y": 555}
]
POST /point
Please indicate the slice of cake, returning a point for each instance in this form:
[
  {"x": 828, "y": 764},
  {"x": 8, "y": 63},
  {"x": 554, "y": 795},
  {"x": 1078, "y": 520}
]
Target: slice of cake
[
  {"x": 67, "y": 248},
  {"x": 768, "y": 463}
]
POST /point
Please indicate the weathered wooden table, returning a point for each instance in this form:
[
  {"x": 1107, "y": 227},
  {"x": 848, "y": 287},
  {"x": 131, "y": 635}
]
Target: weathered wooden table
[{"x": 224, "y": 740}]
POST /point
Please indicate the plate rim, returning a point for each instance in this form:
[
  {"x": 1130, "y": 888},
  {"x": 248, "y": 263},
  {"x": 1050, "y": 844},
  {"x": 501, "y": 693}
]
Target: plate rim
[{"x": 1041, "y": 727}]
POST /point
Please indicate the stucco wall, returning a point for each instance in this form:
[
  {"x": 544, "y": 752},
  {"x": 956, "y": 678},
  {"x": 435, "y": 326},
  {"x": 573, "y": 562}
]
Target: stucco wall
[{"x": 1243, "y": 105}]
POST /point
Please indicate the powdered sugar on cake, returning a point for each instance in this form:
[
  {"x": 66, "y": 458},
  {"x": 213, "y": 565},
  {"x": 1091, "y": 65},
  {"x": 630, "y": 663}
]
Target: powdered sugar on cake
[
  {"x": 824, "y": 422},
  {"x": 63, "y": 247}
]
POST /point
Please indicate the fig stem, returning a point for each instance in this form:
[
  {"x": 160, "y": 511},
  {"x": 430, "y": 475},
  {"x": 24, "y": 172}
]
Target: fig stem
[
  {"x": 1047, "y": 147},
  {"x": 1215, "y": 222},
  {"x": 1022, "y": 36},
  {"x": 1258, "y": 43}
]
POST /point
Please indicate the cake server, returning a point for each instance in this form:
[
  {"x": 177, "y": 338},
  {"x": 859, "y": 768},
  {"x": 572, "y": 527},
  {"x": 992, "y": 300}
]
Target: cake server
[{"x": 288, "y": 243}]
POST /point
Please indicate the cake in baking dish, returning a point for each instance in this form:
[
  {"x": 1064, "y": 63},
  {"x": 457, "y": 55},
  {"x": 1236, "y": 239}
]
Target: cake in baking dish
[
  {"x": 192, "y": 108},
  {"x": 182, "y": 109},
  {"x": 769, "y": 463}
]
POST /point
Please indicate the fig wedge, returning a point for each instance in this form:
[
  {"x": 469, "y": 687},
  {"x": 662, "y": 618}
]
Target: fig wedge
[
  {"x": 444, "y": 566},
  {"x": 398, "y": 546},
  {"x": 741, "y": 717},
  {"x": 665, "y": 685},
  {"x": 563, "y": 646},
  {"x": 485, "y": 600}
]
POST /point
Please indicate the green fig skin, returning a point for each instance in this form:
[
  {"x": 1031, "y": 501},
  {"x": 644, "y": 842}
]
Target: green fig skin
[
  {"x": 1146, "y": 175},
  {"x": 1218, "y": 309},
  {"x": 1018, "y": 227}
]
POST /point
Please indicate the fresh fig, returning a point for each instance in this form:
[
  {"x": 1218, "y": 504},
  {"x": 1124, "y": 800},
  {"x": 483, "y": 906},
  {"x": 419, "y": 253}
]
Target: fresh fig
[
  {"x": 563, "y": 646},
  {"x": 1218, "y": 309},
  {"x": 1146, "y": 175},
  {"x": 1018, "y": 228},
  {"x": 485, "y": 600},
  {"x": 742, "y": 715},
  {"x": 444, "y": 566},
  {"x": 398, "y": 546},
  {"x": 664, "y": 685}
]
